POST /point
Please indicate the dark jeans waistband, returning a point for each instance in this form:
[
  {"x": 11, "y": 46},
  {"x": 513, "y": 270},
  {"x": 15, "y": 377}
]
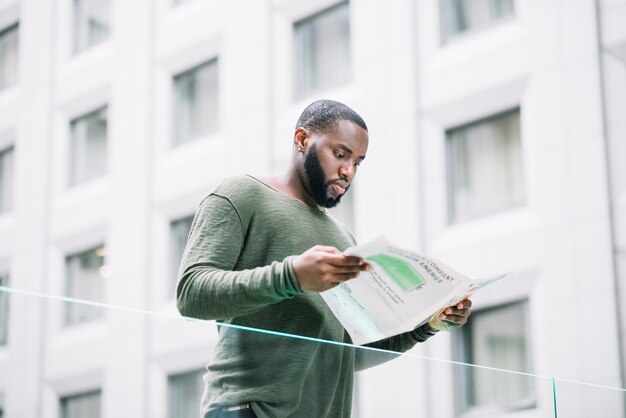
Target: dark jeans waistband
[{"x": 242, "y": 410}]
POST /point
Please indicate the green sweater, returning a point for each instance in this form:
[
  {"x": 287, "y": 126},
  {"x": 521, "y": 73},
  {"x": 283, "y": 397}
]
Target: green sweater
[{"x": 237, "y": 268}]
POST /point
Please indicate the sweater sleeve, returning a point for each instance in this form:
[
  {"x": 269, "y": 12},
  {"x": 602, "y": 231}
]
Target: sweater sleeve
[
  {"x": 208, "y": 287},
  {"x": 396, "y": 345}
]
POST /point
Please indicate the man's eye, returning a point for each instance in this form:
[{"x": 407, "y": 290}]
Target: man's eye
[
  {"x": 356, "y": 164},
  {"x": 339, "y": 155}
]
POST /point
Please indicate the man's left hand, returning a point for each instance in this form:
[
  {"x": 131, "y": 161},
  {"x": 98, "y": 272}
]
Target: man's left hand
[{"x": 452, "y": 317}]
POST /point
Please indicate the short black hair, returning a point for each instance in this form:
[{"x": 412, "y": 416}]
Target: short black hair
[{"x": 322, "y": 115}]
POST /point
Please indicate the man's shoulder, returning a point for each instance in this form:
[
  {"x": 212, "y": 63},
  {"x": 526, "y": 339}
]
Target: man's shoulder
[
  {"x": 239, "y": 189},
  {"x": 236, "y": 184}
]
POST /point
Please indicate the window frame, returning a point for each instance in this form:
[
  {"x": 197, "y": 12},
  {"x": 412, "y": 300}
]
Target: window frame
[
  {"x": 447, "y": 37},
  {"x": 171, "y": 395},
  {"x": 299, "y": 92},
  {"x": 69, "y": 308},
  {"x": 5, "y": 279},
  {"x": 77, "y": 47},
  {"x": 72, "y": 176},
  {"x": 462, "y": 353},
  {"x": 67, "y": 398},
  {"x": 173, "y": 255},
  {"x": 14, "y": 26},
  {"x": 10, "y": 195},
  {"x": 177, "y": 139},
  {"x": 452, "y": 218}
]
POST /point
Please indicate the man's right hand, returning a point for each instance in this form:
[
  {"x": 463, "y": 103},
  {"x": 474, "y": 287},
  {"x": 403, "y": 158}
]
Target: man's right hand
[{"x": 321, "y": 268}]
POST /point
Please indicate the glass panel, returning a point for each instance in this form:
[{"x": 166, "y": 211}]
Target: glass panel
[
  {"x": 85, "y": 405},
  {"x": 185, "y": 392},
  {"x": 179, "y": 232},
  {"x": 322, "y": 50},
  {"x": 578, "y": 399},
  {"x": 4, "y": 309},
  {"x": 196, "y": 102},
  {"x": 6, "y": 179},
  {"x": 411, "y": 385},
  {"x": 458, "y": 16},
  {"x": 85, "y": 280},
  {"x": 8, "y": 56},
  {"x": 91, "y": 23},
  {"x": 89, "y": 146},
  {"x": 484, "y": 341},
  {"x": 485, "y": 170},
  {"x": 136, "y": 355}
]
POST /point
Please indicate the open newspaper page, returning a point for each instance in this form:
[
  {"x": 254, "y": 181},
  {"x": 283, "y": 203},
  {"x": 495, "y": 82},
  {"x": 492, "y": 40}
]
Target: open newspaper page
[{"x": 401, "y": 291}]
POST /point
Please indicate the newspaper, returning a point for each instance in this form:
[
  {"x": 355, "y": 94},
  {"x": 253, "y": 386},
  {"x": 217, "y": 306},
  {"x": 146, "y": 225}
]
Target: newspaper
[{"x": 401, "y": 291}]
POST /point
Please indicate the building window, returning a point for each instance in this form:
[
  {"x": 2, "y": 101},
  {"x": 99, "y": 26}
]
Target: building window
[
  {"x": 179, "y": 232},
  {"x": 92, "y": 20},
  {"x": 196, "y": 102},
  {"x": 4, "y": 308},
  {"x": 88, "y": 159},
  {"x": 322, "y": 50},
  {"x": 6, "y": 179},
  {"x": 8, "y": 56},
  {"x": 185, "y": 393},
  {"x": 484, "y": 164},
  {"x": 85, "y": 276},
  {"x": 485, "y": 341},
  {"x": 459, "y": 16},
  {"x": 83, "y": 405}
]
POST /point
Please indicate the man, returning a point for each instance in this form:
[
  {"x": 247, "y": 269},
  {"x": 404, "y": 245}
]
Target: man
[{"x": 259, "y": 253}]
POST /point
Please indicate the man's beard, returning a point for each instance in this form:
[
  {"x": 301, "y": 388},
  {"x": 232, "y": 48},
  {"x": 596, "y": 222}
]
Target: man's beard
[{"x": 318, "y": 185}]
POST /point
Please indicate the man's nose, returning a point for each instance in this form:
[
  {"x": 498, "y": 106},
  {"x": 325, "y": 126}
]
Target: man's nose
[{"x": 347, "y": 171}]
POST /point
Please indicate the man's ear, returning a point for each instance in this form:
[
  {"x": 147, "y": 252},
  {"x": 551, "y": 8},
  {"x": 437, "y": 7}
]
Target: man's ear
[{"x": 301, "y": 139}]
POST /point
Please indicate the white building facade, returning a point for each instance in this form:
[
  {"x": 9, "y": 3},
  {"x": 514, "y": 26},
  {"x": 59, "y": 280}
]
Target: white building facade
[{"x": 496, "y": 144}]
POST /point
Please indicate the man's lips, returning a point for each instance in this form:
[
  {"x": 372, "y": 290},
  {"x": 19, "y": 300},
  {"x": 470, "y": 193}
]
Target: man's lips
[{"x": 339, "y": 187}]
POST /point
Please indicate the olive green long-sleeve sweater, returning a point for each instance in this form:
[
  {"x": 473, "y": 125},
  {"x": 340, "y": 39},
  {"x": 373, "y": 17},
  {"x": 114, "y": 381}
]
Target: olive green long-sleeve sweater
[{"x": 237, "y": 268}]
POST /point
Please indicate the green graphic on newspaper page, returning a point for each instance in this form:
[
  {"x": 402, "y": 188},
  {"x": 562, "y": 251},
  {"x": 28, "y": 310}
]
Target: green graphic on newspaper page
[{"x": 401, "y": 272}]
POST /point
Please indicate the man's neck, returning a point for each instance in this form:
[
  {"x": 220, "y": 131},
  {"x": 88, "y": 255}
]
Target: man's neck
[{"x": 291, "y": 185}]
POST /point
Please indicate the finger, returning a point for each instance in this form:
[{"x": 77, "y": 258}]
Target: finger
[
  {"x": 464, "y": 304},
  {"x": 327, "y": 249},
  {"x": 342, "y": 270},
  {"x": 352, "y": 259},
  {"x": 342, "y": 277},
  {"x": 342, "y": 260},
  {"x": 358, "y": 267},
  {"x": 455, "y": 311},
  {"x": 328, "y": 286},
  {"x": 455, "y": 319},
  {"x": 459, "y": 317}
]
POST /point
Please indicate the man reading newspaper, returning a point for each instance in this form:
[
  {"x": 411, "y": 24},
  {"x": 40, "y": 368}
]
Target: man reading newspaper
[{"x": 259, "y": 253}]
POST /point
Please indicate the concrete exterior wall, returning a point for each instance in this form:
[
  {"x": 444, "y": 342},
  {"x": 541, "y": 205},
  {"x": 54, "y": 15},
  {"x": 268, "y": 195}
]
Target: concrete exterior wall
[{"x": 409, "y": 87}]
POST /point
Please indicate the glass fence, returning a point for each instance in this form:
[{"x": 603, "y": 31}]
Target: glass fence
[{"x": 70, "y": 358}]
